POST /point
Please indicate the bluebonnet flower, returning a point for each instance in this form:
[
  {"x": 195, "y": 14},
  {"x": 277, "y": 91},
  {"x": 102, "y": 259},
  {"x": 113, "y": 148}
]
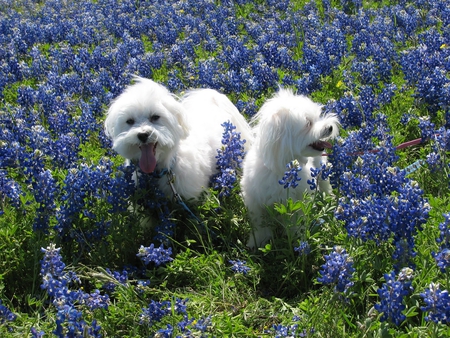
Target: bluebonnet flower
[
  {"x": 151, "y": 199},
  {"x": 52, "y": 262},
  {"x": 377, "y": 201},
  {"x": 83, "y": 188},
  {"x": 165, "y": 230},
  {"x": 407, "y": 19},
  {"x": 444, "y": 232},
  {"x": 95, "y": 300},
  {"x": 441, "y": 139},
  {"x": 66, "y": 150},
  {"x": 433, "y": 89},
  {"x": 290, "y": 177},
  {"x": 121, "y": 278},
  {"x": 437, "y": 304},
  {"x": 184, "y": 324},
  {"x": 248, "y": 108},
  {"x": 141, "y": 285},
  {"x": 165, "y": 333},
  {"x": 202, "y": 324},
  {"x": 45, "y": 193},
  {"x": 239, "y": 266},
  {"x": 235, "y": 53},
  {"x": 337, "y": 270},
  {"x": 434, "y": 161},
  {"x": 229, "y": 160},
  {"x": 442, "y": 259},
  {"x": 265, "y": 76},
  {"x": 5, "y": 314},
  {"x": 156, "y": 311},
  {"x": 348, "y": 110},
  {"x": 320, "y": 173},
  {"x": 292, "y": 330},
  {"x": 56, "y": 282},
  {"x": 427, "y": 128},
  {"x": 36, "y": 334},
  {"x": 391, "y": 296},
  {"x": 303, "y": 249},
  {"x": 156, "y": 255},
  {"x": 9, "y": 190}
]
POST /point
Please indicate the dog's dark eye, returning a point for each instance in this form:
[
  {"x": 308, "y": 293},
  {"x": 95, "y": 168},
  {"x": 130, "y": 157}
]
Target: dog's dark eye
[
  {"x": 130, "y": 122},
  {"x": 154, "y": 118}
]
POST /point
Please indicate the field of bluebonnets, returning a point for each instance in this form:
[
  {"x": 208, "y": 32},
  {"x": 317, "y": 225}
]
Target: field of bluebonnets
[{"x": 86, "y": 252}]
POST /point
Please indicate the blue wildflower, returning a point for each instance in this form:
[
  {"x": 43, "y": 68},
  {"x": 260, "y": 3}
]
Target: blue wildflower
[
  {"x": 426, "y": 127},
  {"x": 239, "y": 266},
  {"x": 437, "y": 304},
  {"x": 5, "y": 314},
  {"x": 303, "y": 249},
  {"x": 156, "y": 311},
  {"x": 337, "y": 270},
  {"x": 290, "y": 177},
  {"x": 120, "y": 277},
  {"x": 202, "y": 324},
  {"x": 442, "y": 259},
  {"x": 36, "y": 334},
  {"x": 229, "y": 160},
  {"x": 156, "y": 255},
  {"x": 45, "y": 193},
  {"x": 444, "y": 232},
  {"x": 391, "y": 296},
  {"x": 320, "y": 173},
  {"x": 56, "y": 282},
  {"x": 9, "y": 190}
]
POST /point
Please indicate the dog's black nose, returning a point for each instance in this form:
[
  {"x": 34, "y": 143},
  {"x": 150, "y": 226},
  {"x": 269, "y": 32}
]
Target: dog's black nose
[{"x": 143, "y": 137}]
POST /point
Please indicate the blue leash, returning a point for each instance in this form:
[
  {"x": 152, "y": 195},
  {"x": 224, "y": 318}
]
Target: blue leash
[
  {"x": 414, "y": 166},
  {"x": 171, "y": 180}
]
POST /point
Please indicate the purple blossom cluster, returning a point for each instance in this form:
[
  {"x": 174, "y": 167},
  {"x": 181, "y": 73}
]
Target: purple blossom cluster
[
  {"x": 238, "y": 266},
  {"x": 303, "y": 249},
  {"x": 392, "y": 294},
  {"x": 157, "y": 311},
  {"x": 83, "y": 188},
  {"x": 10, "y": 191},
  {"x": 291, "y": 177},
  {"x": 337, "y": 270},
  {"x": 229, "y": 160},
  {"x": 156, "y": 255},
  {"x": 437, "y": 304},
  {"x": 378, "y": 202},
  {"x": 6, "y": 315},
  {"x": 442, "y": 257},
  {"x": 440, "y": 143},
  {"x": 68, "y": 303}
]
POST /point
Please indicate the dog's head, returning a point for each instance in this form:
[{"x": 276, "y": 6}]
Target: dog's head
[
  {"x": 146, "y": 123},
  {"x": 292, "y": 127}
]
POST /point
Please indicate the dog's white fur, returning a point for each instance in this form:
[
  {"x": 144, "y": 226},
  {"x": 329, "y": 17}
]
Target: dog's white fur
[
  {"x": 286, "y": 128},
  {"x": 150, "y": 125}
]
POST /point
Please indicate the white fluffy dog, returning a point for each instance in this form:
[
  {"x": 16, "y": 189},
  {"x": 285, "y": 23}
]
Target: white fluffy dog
[
  {"x": 289, "y": 127},
  {"x": 149, "y": 125}
]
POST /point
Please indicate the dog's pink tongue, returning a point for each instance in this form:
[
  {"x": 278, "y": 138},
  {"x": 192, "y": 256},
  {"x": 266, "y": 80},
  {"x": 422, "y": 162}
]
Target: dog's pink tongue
[{"x": 147, "y": 162}]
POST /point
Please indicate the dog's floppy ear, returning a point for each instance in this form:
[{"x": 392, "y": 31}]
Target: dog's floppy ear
[
  {"x": 109, "y": 123},
  {"x": 273, "y": 129},
  {"x": 176, "y": 108}
]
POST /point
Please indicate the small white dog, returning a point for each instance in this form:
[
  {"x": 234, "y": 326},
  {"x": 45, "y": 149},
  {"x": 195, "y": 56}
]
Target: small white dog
[
  {"x": 289, "y": 127},
  {"x": 149, "y": 125}
]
